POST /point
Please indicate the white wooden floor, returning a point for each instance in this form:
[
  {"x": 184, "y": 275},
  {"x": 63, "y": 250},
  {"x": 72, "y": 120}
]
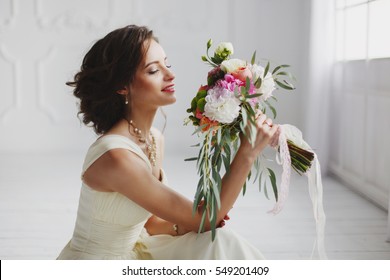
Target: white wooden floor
[{"x": 39, "y": 196}]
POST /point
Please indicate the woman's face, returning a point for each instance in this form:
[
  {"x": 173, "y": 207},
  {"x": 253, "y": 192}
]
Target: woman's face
[{"x": 153, "y": 82}]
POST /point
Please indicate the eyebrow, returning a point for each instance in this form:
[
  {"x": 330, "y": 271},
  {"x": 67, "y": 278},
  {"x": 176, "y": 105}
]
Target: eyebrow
[{"x": 154, "y": 62}]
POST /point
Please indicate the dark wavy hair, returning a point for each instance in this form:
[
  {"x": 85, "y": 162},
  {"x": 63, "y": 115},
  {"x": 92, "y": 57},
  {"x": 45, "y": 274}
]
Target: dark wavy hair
[{"x": 109, "y": 66}]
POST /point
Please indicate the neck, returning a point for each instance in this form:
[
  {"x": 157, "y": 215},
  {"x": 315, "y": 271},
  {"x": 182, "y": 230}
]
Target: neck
[{"x": 143, "y": 120}]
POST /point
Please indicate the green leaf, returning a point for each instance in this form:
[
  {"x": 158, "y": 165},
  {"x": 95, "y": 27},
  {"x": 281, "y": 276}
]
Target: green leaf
[
  {"x": 196, "y": 145},
  {"x": 244, "y": 114},
  {"x": 266, "y": 70},
  {"x": 253, "y": 95},
  {"x": 226, "y": 164},
  {"x": 252, "y": 134},
  {"x": 283, "y": 73},
  {"x": 258, "y": 82},
  {"x": 219, "y": 163},
  {"x": 216, "y": 186},
  {"x": 271, "y": 107},
  {"x": 285, "y": 86},
  {"x": 279, "y": 67},
  {"x": 199, "y": 128},
  {"x": 253, "y": 60},
  {"x": 250, "y": 111},
  {"x": 219, "y": 135},
  {"x": 260, "y": 180},
  {"x": 243, "y": 91},
  {"x": 265, "y": 191},
  {"x": 191, "y": 159},
  {"x": 247, "y": 84},
  {"x": 256, "y": 166},
  {"x": 201, "y": 226},
  {"x": 198, "y": 196},
  {"x": 272, "y": 178},
  {"x": 244, "y": 189}
]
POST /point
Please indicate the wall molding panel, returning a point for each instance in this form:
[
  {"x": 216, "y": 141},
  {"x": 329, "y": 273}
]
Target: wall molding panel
[
  {"x": 8, "y": 72},
  {"x": 7, "y": 13},
  {"x": 73, "y": 14}
]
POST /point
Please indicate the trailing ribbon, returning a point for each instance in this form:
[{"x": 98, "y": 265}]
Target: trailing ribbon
[{"x": 314, "y": 183}]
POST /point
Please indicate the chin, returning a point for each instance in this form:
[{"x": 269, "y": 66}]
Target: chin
[{"x": 171, "y": 100}]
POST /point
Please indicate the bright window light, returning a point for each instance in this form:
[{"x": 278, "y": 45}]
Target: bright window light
[
  {"x": 362, "y": 28},
  {"x": 379, "y": 37},
  {"x": 356, "y": 32},
  {"x": 354, "y": 2}
]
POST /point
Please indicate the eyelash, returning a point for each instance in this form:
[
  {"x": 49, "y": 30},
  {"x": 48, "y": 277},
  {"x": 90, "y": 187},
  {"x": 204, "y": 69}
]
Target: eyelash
[{"x": 155, "y": 71}]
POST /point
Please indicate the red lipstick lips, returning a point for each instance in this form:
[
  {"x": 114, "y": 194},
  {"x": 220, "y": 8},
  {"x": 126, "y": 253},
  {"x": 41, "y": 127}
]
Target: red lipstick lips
[{"x": 170, "y": 88}]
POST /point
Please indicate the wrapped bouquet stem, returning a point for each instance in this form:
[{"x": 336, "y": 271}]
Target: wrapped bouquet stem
[{"x": 227, "y": 106}]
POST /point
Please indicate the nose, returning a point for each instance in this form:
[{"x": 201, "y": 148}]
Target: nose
[{"x": 169, "y": 76}]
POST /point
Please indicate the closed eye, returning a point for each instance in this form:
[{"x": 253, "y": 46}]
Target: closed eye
[{"x": 153, "y": 71}]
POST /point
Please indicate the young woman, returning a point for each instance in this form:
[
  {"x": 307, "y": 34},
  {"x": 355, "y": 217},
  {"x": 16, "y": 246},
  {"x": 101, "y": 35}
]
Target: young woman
[{"x": 126, "y": 210}]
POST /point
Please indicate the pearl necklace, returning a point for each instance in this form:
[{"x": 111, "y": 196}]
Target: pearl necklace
[{"x": 150, "y": 147}]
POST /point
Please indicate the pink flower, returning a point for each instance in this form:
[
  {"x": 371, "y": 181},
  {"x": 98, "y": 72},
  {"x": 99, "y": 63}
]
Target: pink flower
[
  {"x": 229, "y": 83},
  {"x": 242, "y": 73}
]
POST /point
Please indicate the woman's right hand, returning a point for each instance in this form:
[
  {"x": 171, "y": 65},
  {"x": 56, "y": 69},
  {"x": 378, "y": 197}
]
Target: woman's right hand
[{"x": 265, "y": 132}]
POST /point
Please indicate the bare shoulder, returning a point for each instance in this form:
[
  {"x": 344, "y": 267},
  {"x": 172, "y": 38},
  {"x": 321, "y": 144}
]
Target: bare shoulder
[{"x": 113, "y": 164}]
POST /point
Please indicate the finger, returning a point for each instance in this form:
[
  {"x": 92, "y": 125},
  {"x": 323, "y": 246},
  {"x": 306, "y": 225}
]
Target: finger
[
  {"x": 261, "y": 119},
  {"x": 273, "y": 130},
  {"x": 275, "y": 139},
  {"x": 226, "y": 217},
  {"x": 268, "y": 121}
]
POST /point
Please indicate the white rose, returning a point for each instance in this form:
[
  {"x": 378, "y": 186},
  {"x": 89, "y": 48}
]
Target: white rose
[
  {"x": 268, "y": 83},
  {"x": 224, "y": 49},
  {"x": 221, "y": 105},
  {"x": 232, "y": 65}
]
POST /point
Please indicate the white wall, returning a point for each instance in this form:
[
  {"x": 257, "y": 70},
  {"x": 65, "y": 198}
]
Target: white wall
[{"x": 42, "y": 43}]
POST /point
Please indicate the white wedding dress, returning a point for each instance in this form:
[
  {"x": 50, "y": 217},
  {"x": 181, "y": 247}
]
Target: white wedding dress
[{"x": 111, "y": 226}]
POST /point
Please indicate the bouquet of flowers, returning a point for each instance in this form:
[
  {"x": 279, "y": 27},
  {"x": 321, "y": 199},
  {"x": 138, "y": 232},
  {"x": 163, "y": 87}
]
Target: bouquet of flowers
[{"x": 236, "y": 91}]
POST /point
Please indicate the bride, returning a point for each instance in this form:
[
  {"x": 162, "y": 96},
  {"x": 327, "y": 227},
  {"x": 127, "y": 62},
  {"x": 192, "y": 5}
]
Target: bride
[{"x": 126, "y": 210}]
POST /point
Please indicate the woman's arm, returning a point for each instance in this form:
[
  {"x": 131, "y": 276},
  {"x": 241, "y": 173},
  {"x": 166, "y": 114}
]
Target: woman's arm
[{"x": 122, "y": 171}]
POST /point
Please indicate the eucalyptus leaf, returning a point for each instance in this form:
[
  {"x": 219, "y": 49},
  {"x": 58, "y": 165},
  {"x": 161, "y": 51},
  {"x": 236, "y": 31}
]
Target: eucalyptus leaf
[
  {"x": 266, "y": 70},
  {"x": 260, "y": 180},
  {"x": 199, "y": 128},
  {"x": 253, "y": 60},
  {"x": 273, "y": 182},
  {"x": 279, "y": 67},
  {"x": 285, "y": 86},
  {"x": 201, "y": 226},
  {"x": 226, "y": 164},
  {"x": 191, "y": 159},
  {"x": 272, "y": 108},
  {"x": 219, "y": 135},
  {"x": 265, "y": 190},
  {"x": 258, "y": 82},
  {"x": 254, "y": 95},
  {"x": 247, "y": 84}
]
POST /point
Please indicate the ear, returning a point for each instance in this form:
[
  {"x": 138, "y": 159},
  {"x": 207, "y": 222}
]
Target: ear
[{"x": 123, "y": 91}]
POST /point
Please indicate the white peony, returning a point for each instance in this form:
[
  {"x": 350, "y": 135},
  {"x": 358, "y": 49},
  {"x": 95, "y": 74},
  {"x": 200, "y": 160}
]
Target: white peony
[
  {"x": 268, "y": 83},
  {"x": 221, "y": 105},
  {"x": 232, "y": 65}
]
